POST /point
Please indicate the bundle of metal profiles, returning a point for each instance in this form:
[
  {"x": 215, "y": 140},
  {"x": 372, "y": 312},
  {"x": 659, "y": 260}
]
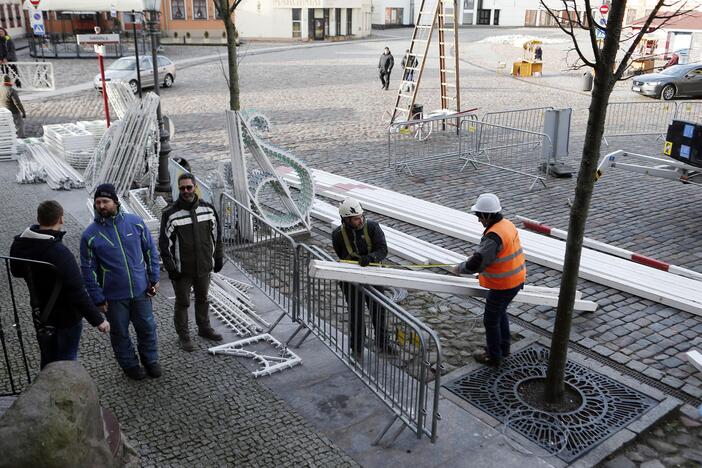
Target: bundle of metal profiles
[
  {"x": 422, "y": 252},
  {"x": 124, "y": 146},
  {"x": 8, "y": 136},
  {"x": 30, "y": 171},
  {"x": 121, "y": 98},
  {"x": 139, "y": 200},
  {"x": 640, "y": 280},
  {"x": 432, "y": 282},
  {"x": 231, "y": 303},
  {"x": 75, "y": 144},
  {"x": 96, "y": 127},
  {"x": 59, "y": 174},
  {"x": 398, "y": 361}
]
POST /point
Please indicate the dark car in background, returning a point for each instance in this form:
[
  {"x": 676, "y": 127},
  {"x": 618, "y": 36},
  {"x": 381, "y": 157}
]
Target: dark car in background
[{"x": 675, "y": 81}]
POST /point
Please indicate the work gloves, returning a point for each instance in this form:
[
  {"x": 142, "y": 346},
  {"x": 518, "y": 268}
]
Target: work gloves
[
  {"x": 365, "y": 260},
  {"x": 218, "y": 264}
]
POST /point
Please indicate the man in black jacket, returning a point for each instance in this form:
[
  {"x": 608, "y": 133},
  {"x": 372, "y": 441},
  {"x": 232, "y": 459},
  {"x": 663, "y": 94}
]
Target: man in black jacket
[
  {"x": 190, "y": 244},
  {"x": 385, "y": 64},
  {"x": 59, "y": 334},
  {"x": 363, "y": 241}
]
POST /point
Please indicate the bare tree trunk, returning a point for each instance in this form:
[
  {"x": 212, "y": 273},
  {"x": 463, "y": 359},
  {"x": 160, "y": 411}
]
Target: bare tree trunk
[
  {"x": 226, "y": 10},
  {"x": 603, "y": 85}
]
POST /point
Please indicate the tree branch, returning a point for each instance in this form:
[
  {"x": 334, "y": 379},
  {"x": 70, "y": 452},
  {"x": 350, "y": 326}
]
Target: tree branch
[{"x": 569, "y": 32}]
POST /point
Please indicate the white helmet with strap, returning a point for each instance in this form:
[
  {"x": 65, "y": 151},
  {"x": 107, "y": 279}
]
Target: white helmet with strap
[
  {"x": 487, "y": 203},
  {"x": 350, "y": 207}
]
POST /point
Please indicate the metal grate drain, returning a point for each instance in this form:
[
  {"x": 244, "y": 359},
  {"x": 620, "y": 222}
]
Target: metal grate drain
[{"x": 606, "y": 405}]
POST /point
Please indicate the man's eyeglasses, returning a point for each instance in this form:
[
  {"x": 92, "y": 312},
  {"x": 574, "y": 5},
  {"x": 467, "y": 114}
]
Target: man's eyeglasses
[{"x": 186, "y": 188}]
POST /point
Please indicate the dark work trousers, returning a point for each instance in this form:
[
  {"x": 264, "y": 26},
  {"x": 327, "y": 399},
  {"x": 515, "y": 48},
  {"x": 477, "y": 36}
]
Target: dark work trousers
[
  {"x": 496, "y": 321},
  {"x": 181, "y": 286},
  {"x": 357, "y": 330},
  {"x": 61, "y": 345},
  {"x": 385, "y": 78}
]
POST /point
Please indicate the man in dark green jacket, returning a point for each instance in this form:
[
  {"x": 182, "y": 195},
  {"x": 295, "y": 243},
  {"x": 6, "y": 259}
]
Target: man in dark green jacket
[{"x": 191, "y": 248}]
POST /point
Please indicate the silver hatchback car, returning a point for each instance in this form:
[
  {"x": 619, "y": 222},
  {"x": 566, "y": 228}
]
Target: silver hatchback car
[{"x": 124, "y": 70}]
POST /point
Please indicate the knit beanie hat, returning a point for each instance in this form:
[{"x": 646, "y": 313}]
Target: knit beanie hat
[{"x": 106, "y": 191}]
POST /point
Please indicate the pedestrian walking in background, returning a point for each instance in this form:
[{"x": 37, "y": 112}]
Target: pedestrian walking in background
[
  {"x": 191, "y": 247},
  {"x": 363, "y": 241},
  {"x": 9, "y": 98},
  {"x": 499, "y": 260},
  {"x": 120, "y": 267},
  {"x": 409, "y": 61},
  {"x": 58, "y": 320},
  {"x": 385, "y": 65},
  {"x": 8, "y": 55}
]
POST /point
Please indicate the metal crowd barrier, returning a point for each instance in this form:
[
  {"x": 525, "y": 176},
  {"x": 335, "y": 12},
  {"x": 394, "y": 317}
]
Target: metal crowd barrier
[
  {"x": 30, "y": 76},
  {"x": 395, "y": 355},
  {"x": 422, "y": 141},
  {"x": 638, "y": 118},
  {"x": 690, "y": 111},
  {"x": 20, "y": 353},
  {"x": 510, "y": 149},
  {"x": 524, "y": 119}
]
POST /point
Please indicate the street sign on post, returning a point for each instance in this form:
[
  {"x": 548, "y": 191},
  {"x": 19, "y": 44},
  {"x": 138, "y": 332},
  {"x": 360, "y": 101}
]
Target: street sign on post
[
  {"x": 98, "y": 40},
  {"x": 600, "y": 33},
  {"x": 36, "y": 20},
  {"x": 604, "y": 8},
  {"x": 88, "y": 39}
]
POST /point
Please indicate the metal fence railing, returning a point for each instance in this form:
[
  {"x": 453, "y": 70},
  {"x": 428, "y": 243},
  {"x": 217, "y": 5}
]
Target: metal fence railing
[
  {"x": 30, "y": 76},
  {"x": 20, "y": 353},
  {"x": 638, "y": 118},
  {"x": 395, "y": 355},
  {"x": 417, "y": 142},
  {"x": 524, "y": 119},
  {"x": 510, "y": 149},
  {"x": 690, "y": 111}
]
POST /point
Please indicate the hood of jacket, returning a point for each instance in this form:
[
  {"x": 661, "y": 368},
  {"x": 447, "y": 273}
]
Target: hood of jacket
[{"x": 35, "y": 240}]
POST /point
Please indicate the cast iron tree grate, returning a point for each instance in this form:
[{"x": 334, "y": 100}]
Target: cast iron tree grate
[{"x": 605, "y": 407}]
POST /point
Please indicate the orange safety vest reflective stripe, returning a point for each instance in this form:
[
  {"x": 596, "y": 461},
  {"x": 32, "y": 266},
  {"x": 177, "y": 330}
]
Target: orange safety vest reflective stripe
[{"x": 509, "y": 268}]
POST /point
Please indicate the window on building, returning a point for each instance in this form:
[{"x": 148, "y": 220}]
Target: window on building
[
  {"x": 337, "y": 21},
  {"x": 10, "y": 16},
  {"x": 326, "y": 22},
  {"x": 132, "y": 18},
  {"x": 393, "y": 15},
  {"x": 496, "y": 18},
  {"x": 200, "y": 9},
  {"x": 630, "y": 15},
  {"x": 297, "y": 22},
  {"x": 61, "y": 15},
  {"x": 483, "y": 16},
  {"x": 18, "y": 15},
  {"x": 177, "y": 9},
  {"x": 349, "y": 24}
]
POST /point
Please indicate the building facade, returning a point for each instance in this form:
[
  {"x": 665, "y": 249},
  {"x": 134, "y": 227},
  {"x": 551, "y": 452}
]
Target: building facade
[
  {"x": 303, "y": 19},
  {"x": 393, "y": 13},
  {"x": 12, "y": 17}
]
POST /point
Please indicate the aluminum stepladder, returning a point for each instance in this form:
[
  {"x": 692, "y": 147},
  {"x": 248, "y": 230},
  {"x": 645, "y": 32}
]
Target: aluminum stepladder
[{"x": 440, "y": 15}]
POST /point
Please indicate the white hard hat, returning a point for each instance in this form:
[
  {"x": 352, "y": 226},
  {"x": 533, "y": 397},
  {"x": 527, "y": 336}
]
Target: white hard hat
[
  {"x": 350, "y": 207},
  {"x": 487, "y": 203}
]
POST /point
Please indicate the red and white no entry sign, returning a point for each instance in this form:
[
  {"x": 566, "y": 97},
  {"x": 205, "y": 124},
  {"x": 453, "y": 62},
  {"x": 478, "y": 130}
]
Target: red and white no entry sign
[
  {"x": 604, "y": 9},
  {"x": 35, "y": 2}
]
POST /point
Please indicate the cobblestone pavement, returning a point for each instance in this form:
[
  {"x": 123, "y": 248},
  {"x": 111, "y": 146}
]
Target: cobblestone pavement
[
  {"x": 204, "y": 410},
  {"x": 326, "y": 107}
]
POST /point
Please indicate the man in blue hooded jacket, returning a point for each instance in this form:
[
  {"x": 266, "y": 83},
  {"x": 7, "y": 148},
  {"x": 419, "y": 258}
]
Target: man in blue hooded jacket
[{"x": 120, "y": 267}]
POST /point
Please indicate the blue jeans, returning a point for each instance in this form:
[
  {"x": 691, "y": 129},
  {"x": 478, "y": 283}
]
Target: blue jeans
[
  {"x": 496, "y": 321},
  {"x": 137, "y": 311},
  {"x": 62, "y": 345}
]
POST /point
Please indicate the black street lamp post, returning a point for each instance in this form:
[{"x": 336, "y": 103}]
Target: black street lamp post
[
  {"x": 136, "y": 53},
  {"x": 163, "y": 183}
]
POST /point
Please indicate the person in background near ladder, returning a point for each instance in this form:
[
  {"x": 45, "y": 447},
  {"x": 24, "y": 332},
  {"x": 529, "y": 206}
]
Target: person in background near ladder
[
  {"x": 13, "y": 104},
  {"x": 499, "y": 260},
  {"x": 121, "y": 272},
  {"x": 58, "y": 320},
  {"x": 385, "y": 65},
  {"x": 674, "y": 59},
  {"x": 8, "y": 55},
  {"x": 191, "y": 247},
  {"x": 363, "y": 241},
  {"x": 538, "y": 53},
  {"x": 409, "y": 61}
]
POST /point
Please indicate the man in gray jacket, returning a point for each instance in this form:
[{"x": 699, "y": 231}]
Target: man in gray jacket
[
  {"x": 385, "y": 64},
  {"x": 190, "y": 244},
  {"x": 14, "y": 105}
]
